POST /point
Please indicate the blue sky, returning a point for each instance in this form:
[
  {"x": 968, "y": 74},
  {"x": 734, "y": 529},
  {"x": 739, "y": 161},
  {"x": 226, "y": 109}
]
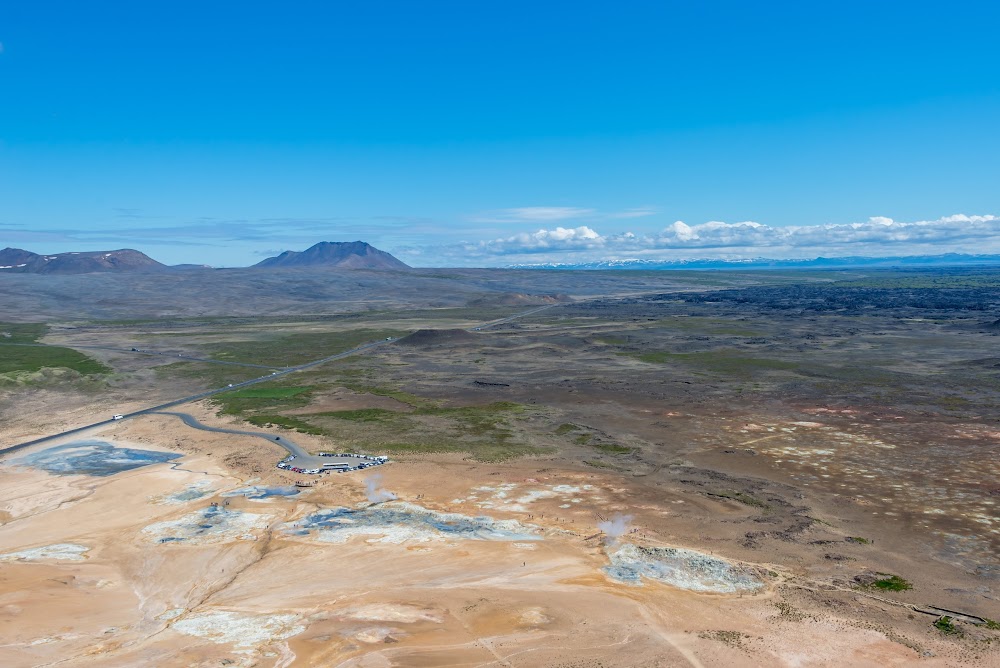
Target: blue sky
[{"x": 489, "y": 133}]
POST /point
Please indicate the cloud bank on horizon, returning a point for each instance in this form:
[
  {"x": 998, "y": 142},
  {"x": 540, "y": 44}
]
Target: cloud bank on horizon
[
  {"x": 522, "y": 235},
  {"x": 878, "y": 236}
]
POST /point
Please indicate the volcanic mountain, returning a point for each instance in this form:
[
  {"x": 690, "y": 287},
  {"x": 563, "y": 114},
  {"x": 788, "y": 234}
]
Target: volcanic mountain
[
  {"x": 15, "y": 260},
  {"x": 344, "y": 255}
]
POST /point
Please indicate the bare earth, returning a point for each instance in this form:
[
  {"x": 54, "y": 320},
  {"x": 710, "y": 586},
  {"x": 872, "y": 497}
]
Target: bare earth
[{"x": 753, "y": 509}]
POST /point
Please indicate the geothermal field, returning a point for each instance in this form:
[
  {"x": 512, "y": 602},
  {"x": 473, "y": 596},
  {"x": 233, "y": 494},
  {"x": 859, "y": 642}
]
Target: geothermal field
[{"x": 584, "y": 469}]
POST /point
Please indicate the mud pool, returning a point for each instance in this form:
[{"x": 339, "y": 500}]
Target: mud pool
[
  {"x": 400, "y": 522},
  {"x": 262, "y": 493},
  {"x": 193, "y": 492},
  {"x": 95, "y": 458},
  {"x": 213, "y": 524},
  {"x": 244, "y": 631},
  {"x": 57, "y": 552},
  {"x": 685, "y": 569}
]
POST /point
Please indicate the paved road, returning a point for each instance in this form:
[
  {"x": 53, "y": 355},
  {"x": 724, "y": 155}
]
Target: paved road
[
  {"x": 274, "y": 375},
  {"x": 494, "y": 323},
  {"x": 186, "y": 358},
  {"x": 191, "y": 421},
  {"x": 303, "y": 459}
]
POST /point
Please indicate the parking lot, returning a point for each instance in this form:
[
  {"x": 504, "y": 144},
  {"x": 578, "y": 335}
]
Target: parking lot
[{"x": 330, "y": 462}]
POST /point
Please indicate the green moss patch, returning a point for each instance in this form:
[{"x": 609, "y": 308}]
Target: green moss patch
[
  {"x": 297, "y": 348},
  {"x": 399, "y": 395},
  {"x": 726, "y": 362},
  {"x": 891, "y": 583},
  {"x": 31, "y": 358},
  {"x": 261, "y": 399},
  {"x": 946, "y": 625},
  {"x": 287, "y": 422},
  {"x": 362, "y": 415},
  {"x": 742, "y": 497},
  {"x": 11, "y": 332}
]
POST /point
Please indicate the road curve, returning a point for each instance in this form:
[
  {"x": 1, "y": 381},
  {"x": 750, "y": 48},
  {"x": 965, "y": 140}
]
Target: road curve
[{"x": 191, "y": 421}]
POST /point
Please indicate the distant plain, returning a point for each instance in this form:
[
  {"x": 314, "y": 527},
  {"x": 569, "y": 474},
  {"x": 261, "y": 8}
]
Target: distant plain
[{"x": 837, "y": 428}]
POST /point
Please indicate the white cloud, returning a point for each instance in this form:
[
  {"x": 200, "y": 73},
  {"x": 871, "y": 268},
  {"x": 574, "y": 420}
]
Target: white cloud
[
  {"x": 536, "y": 214},
  {"x": 637, "y": 212},
  {"x": 546, "y": 213},
  {"x": 561, "y": 238},
  {"x": 682, "y": 231},
  {"x": 879, "y": 236},
  {"x": 551, "y": 214}
]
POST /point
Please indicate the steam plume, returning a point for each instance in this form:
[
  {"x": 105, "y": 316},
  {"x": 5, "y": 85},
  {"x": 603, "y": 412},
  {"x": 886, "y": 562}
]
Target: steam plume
[
  {"x": 614, "y": 528},
  {"x": 374, "y": 491}
]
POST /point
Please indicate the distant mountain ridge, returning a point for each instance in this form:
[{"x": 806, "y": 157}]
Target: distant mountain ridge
[
  {"x": 948, "y": 259},
  {"x": 342, "y": 254},
  {"x": 19, "y": 261}
]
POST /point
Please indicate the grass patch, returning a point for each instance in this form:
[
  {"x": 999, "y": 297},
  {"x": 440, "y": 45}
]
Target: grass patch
[
  {"x": 819, "y": 521},
  {"x": 30, "y": 358},
  {"x": 612, "y": 449},
  {"x": 484, "y": 432},
  {"x": 268, "y": 392},
  {"x": 891, "y": 583},
  {"x": 287, "y": 422},
  {"x": 297, "y": 348},
  {"x": 411, "y": 400},
  {"x": 565, "y": 428},
  {"x": 858, "y": 540},
  {"x": 991, "y": 624},
  {"x": 362, "y": 415},
  {"x": 469, "y": 411},
  {"x": 11, "y": 332},
  {"x": 726, "y": 362},
  {"x": 256, "y": 400},
  {"x": 583, "y": 439},
  {"x": 742, "y": 497},
  {"x": 489, "y": 420},
  {"x": 35, "y": 358},
  {"x": 211, "y": 375},
  {"x": 946, "y": 626}
]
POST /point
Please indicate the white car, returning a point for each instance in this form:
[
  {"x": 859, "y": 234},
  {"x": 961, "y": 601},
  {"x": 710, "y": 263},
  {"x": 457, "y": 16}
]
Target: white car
[{"x": 117, "y": 417}]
